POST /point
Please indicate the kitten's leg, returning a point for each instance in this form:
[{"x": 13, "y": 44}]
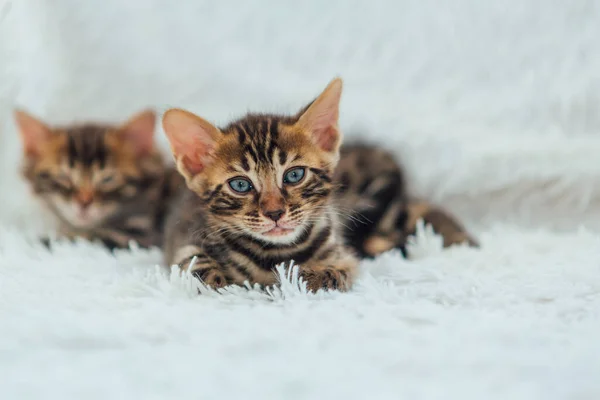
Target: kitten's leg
[
  {"x": 389, "y": 231},
  {"x": 380, "y": 242},
  {"x": 336, "y": 270},
  {"x": 201, "y": 266},
  {"x": 442, "y": 222}
]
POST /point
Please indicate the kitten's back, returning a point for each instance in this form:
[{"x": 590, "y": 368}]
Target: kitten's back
[
  {"x": 371, "y": 194},
  {"x": 379, "y": 212}
]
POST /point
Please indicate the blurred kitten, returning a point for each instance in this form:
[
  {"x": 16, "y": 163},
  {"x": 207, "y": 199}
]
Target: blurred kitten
[
  {"x": 379, "y": 212},
  {"x": 102, "y": 182}
]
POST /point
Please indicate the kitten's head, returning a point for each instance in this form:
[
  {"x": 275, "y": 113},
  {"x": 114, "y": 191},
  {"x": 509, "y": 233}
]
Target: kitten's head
[
  {"x": 263, "y": 175},
  {"x": 86, "y": 172}
]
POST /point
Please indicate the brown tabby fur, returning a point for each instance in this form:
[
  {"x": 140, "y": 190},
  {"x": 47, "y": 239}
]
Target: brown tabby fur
[
  {"x": 357, "y": 208},
  {"x": 101, "y": 182},
  {"x": 226, "y": 233},
  {"x": 379, "y": 213}
]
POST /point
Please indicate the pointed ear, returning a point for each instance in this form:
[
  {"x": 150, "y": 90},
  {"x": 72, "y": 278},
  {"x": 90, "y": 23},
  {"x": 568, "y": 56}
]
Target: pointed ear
[
  {"x": 139, "y": 131},
  {"x": 193, "y": 141},
  {"x": 321, "y": 117},
  {"x": 34, "y": 133}
]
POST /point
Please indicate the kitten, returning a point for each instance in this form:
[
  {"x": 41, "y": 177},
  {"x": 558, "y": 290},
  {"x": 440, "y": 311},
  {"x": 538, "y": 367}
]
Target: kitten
[
  {"x": 378, "y": 213},
  {"x": 101, "y": 182},
  {"x": 259, "y": 195}
]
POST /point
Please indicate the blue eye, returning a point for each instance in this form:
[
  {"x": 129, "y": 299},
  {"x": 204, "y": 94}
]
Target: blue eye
[
  {"x": 294, "y": 175},
  {"x": 240, "y": 185}
]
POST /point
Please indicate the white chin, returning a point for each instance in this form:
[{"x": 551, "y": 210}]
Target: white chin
[
  {"x": 282, "y": 237},
  {"x": 82, "y": 222},
  {"x": 78, "y": 219}
]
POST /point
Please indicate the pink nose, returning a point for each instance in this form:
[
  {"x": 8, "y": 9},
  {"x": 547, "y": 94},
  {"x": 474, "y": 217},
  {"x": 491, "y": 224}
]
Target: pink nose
[{"x": 85, "y": 198}]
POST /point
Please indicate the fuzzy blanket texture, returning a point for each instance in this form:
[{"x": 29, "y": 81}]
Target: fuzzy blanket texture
[{"x": 494, "y": 110}]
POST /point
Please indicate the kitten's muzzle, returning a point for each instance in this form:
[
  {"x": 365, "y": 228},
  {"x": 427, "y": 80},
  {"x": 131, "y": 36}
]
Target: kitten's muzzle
[
  {"x": 84, "y": 198},
  {"x": 272, "y": 205}
]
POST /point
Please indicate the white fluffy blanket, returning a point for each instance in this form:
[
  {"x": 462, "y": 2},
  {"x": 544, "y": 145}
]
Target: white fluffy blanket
[{"x": 493, "y": 108}]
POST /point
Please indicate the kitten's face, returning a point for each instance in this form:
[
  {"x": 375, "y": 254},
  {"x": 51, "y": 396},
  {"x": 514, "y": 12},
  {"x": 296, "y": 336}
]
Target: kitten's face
[
  {"x": 267, "y": 180},
  {"x": 264, "y": 176},
  {"x": 86, "y": 173}
]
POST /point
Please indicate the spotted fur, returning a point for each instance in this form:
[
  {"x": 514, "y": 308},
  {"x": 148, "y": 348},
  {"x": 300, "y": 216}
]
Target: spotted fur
[
  {"x": 102, "y": 182},
  {"x": 378, "y": 213},
  {"x": 234, "y": 237}
]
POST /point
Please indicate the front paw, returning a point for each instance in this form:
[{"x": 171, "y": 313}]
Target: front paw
[
  {"x": 326, "y": 278},
  {"x": 211, "y": 277}
]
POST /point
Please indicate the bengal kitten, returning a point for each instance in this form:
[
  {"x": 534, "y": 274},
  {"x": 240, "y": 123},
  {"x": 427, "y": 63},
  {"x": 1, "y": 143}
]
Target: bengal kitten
[
  {"x": 379, "y": 215},
  {"x": 259, "y": 195},
  {"x": 102, "y": 182}
]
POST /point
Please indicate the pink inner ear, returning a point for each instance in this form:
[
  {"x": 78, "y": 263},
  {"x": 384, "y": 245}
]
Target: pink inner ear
[
  {"x": 193, "y": 167},
  {"x": 192, "y": 139},
  {"x": 34, "y": 133},
  {"x": 323, "y": 125},
  {"x": 327, "y": 138},
  {"x": 321, "y": 117},
  {"x": 193, "y": 152},
  {"x": 31, "y": 148},
  {"x": 140, "y": 131}
]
